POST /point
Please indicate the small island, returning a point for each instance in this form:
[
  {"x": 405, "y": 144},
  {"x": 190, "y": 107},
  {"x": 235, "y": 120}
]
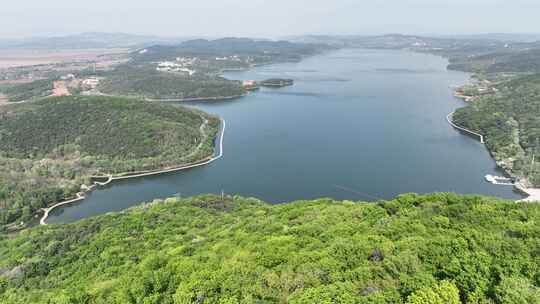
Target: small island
[
  {"x": 252, "y": 85},
  {"x": 276, "y": 82}
]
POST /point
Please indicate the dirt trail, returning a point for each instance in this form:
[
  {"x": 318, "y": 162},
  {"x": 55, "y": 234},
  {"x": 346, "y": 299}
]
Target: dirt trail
[
  {"x": 82, "y": 195},
  {"x": 204, "y": 136}
]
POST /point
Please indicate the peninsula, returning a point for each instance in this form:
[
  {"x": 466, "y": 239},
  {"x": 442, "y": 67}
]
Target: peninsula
[{"x": 72, "y": 139}]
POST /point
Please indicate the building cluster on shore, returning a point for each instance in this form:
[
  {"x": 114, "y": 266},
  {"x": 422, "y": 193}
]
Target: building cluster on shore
[{"x": 175, "y": 67}]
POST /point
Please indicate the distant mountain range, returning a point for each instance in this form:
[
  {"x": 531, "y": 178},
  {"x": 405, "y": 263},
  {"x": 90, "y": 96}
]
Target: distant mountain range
[
  {"x": 496, "y": 37},
  {"x": 123, "y": 40},
  {"x": 515, "y": 37},
  {"x": 89, "y": 40}
]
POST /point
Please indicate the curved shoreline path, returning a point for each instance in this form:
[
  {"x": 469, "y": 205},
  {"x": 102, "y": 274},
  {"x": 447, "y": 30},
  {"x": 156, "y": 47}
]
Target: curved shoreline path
[
  {"x": 450, "y": 121},
  {"x": 533, "y": 194},
  {"x": 82, "y": 195},
  {"x": 275, "y": 151}
]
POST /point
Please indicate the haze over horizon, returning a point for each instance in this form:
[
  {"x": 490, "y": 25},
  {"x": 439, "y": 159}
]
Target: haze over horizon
[{"x": 264, "y": 18}]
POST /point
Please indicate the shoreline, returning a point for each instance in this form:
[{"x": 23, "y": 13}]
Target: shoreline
[
  {"x": 532, "y": 194},
  {"x": 529, "y": 192},
  {"x": 217, "y": 98},
  {"x": 80, "y": 196},
  {"x": 450, "y": 120}
]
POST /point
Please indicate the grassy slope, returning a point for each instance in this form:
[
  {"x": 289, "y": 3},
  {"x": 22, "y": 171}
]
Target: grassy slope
[
  {"x": 49, "y": 147},
  {"x": 203, "y": 250}
]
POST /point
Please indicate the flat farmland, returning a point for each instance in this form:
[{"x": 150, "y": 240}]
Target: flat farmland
[{"x": 24, "y": 57}]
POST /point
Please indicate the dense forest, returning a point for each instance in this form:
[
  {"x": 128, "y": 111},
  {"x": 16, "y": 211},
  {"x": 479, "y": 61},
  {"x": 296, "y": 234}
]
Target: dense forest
[
  {"x": 439, "y": 249},
  {"x": 510, "y": 121},
  {"x": 499, "y": 62},
  {"x": 48, "y": 148},
  {"x": 144, "y": 81}
]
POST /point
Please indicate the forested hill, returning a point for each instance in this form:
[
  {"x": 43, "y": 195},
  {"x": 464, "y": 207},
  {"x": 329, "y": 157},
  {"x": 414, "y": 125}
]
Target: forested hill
[
  {"x": 510, "y": 120},
  {"x": 146, "y": 82},
  {"x": 261, "y": 50},
  {"x": 519, "y": 61},
  {"x": 192, "y": 69},
  {"x": 50, "y": 147},
  {"x": 438, "y": 249}
]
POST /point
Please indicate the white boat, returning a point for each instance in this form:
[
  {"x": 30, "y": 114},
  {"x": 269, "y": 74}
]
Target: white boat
[{"x": 490, "y": 178}]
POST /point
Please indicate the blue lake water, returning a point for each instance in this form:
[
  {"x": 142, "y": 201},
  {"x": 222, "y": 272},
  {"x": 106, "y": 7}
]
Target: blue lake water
[{"x": 358, "y": 125}]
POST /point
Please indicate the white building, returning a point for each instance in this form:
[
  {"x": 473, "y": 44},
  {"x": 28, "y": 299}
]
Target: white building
[
  {"x": 168, "y": 66},
  {"x": 91, "y": 82}
]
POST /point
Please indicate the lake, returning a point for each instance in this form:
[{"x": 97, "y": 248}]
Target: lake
[{"x": 357, "y": 125}]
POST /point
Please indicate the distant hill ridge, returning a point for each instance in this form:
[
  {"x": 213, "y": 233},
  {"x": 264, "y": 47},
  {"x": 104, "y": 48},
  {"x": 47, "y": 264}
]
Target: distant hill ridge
[
  {"x": 88, "y": 40},
  {"x": 229, "y": 46}
]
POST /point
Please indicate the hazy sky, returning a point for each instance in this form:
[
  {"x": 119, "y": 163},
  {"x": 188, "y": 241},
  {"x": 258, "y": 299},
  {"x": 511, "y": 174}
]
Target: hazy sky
[{"x": 269, "y": 18}]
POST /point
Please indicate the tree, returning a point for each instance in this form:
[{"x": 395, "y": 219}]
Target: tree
[
  {"x": 442, "y": 293},
  {"x": 332, "y": 294},
  {"x": 517, "y": 290}
]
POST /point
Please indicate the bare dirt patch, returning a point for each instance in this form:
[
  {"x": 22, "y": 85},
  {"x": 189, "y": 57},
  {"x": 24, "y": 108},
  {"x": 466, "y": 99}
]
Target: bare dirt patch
[{"x": 60, "y": 88}]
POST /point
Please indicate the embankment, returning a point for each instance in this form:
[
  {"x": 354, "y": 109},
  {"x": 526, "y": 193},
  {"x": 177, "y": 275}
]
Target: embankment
[{"x": 82, "y": 195}]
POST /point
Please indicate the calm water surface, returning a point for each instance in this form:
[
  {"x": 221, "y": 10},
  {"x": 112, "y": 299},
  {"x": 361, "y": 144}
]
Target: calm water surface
[{"x": 357, "y": 125}]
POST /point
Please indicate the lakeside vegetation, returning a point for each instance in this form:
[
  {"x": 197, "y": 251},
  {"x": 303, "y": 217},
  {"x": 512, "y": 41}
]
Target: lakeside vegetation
[
  {"x": 439, "y": 248},
  {"x": 206, "y": 60},
  {"x": 48, "y": 148},
  {"x": 518, "y": 61},
  {"x": 146, "y": 82},
  {"x": 504, "y": 105},
  {"x": 503, "y": 100},
  {"x": 510, "y": 121}
]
